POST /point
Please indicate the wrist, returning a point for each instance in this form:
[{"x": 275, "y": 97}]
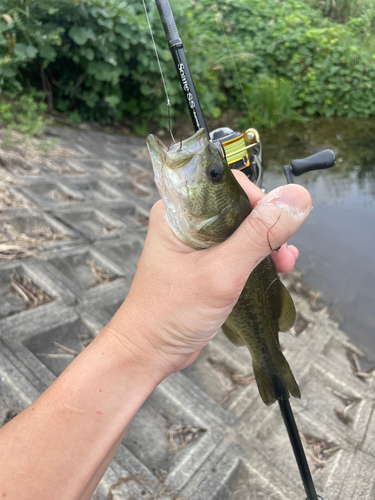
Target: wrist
[{"x": 134, "y": 345}]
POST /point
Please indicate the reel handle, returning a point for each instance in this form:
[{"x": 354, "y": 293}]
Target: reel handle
[{"x": 318, "y": 161}]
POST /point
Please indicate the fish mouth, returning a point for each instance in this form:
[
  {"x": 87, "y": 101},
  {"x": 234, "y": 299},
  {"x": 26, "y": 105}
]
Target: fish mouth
[
  {"x": 179, "y": 153},
  {"x": 178, "y": 165}
]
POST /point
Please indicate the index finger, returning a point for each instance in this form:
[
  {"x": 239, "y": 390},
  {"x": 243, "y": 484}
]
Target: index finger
[{"x": 253, "y": 192}]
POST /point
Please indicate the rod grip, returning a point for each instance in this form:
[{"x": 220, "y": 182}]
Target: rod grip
[{"x": 167, "y": 19}]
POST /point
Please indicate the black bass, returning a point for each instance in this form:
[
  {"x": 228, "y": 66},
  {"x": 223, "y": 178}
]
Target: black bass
[{"x": 204, "y": 205}]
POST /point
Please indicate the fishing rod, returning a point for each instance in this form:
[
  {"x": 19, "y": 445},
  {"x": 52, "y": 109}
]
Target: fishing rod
[
  {"x": 239, "y": 153},
  {"x": 178, "y": 54},
  {"x": 242, "y": 151}
]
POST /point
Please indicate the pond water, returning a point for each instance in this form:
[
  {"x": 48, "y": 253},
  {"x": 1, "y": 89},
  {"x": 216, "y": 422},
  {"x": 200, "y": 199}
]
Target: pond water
[{"x": 337, "y": 242}]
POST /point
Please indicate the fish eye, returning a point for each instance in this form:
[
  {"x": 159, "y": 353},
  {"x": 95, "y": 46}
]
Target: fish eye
[{"x": 215, "y": 172}]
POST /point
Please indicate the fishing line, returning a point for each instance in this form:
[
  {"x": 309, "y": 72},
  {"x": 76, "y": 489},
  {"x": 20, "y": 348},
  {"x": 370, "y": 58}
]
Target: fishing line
[
  {"x": 169, "y": 105},
  {"x": 233, "y": 61}
]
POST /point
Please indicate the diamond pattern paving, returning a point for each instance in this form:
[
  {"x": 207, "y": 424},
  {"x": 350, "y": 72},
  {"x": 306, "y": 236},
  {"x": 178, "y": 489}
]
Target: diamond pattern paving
[{"x": 70, "y": 239}]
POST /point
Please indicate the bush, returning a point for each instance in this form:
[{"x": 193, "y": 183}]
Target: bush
[
  {"x": 94, "y": 59},
  {"x": 25, "y": 115},
  {"x": 329, "y": 71},
  {"x": 359, "y": 14},
  {"x": 341, "y": 10}
]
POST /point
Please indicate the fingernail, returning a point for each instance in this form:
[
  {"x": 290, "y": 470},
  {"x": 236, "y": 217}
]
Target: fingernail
[
  {"x": 293, "y": 196},
  {"x": 293, "y": 199}
]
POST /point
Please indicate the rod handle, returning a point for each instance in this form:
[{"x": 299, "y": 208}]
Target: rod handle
[{"x": 168, "y": 21}]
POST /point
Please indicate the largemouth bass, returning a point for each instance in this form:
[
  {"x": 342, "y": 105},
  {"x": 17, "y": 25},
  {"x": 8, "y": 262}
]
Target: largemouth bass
[{"x": 204, "y": 205}]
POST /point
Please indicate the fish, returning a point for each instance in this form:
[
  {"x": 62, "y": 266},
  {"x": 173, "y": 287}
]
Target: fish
[{"x": 204, "y": 205}]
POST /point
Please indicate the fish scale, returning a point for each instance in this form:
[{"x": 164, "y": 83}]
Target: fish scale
[{"x": 204, "y": 205}]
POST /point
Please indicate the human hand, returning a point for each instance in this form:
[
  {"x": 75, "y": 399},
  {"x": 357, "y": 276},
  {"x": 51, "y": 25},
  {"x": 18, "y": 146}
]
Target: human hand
[{"x": 180, "y": 297}]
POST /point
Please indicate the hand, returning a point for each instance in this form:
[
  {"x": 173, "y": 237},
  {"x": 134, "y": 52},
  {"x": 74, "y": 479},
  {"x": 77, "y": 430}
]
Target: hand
[{"x": 180, "y": 297}]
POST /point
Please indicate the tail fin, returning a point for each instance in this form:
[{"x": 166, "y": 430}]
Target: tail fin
[{"x": 277, "y": 384}]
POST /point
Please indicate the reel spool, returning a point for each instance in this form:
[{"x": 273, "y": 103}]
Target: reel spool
[{"x": 242, "y": 151}]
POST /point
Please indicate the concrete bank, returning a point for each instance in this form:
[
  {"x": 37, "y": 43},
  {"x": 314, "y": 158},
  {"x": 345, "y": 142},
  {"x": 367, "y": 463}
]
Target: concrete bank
[{"x": 72, "y": 229}]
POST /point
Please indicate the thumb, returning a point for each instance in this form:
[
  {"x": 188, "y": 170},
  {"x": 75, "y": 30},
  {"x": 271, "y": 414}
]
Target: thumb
[{"x": 273, "y": 220}]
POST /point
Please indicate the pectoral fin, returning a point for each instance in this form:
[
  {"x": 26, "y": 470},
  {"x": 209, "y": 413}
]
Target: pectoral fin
[{"x": 231, "y": 333}]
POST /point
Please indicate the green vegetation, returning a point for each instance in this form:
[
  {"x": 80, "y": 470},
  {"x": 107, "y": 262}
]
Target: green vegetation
[
  {"x": 94, "y": 60},
  {"x": 359, "y": 14},
  {"x": 343, "y": 10},
  {"x": 269, "y": 101},
  {"x": 25, "y": 114},
  {"x": 329, "y": 70}
]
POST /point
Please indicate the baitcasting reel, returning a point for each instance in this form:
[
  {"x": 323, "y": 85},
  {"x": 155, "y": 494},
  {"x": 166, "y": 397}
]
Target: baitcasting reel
[{"x": 244, "y": 152}]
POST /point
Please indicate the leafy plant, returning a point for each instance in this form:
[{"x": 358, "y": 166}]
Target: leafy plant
[
  {"x": 25, "y": 115},
  {"x": 329, "y": 71},
  {"x": 270, "y": 102},
  {"x": 94, "y": 60},
  {"x": 341, "y": 10}
]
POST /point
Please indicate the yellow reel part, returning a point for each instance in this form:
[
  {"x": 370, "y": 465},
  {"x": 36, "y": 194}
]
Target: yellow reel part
[{"x": 237, "y": 149}]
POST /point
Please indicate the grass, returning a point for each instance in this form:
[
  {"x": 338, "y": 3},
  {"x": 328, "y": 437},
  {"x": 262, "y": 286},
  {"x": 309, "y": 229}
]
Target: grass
[
  {"x": 102, "y": 277},
  {"x": 107, "y": 227},
  {"x": 270, "y": 102},
  {"x": 24, "y": 289},
  {"x": 20, "y": 154},
  {"x": 319, "y": 450},
  {"x": 356, "y": 367},
  {"x": 15, "y": 245},
  {"x": 139, "y": 192},
  {"x": 179, "y": 435},
  {"x": 64, "y": 198},
  {"x": 7, "y": 199},
  {"x": 141, "y": 219},
  {"x": 66, "y": 352},
  {"x": 236, "y": 379},
  {"x": 349, "y": 403}
]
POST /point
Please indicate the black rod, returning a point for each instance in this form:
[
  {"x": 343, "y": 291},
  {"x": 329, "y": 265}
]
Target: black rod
[
  {"x": 295, "y": 441},
  {"x": 179, "y": 59},
  {"x": 290, "y": 423}
]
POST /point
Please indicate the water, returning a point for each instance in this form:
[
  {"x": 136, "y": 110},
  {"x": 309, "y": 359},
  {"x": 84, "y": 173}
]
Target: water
[{"x": 337, "y": 241}]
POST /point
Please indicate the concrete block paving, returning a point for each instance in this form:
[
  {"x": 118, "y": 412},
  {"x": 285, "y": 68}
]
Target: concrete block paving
[{"x": 69, "y": 245}]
